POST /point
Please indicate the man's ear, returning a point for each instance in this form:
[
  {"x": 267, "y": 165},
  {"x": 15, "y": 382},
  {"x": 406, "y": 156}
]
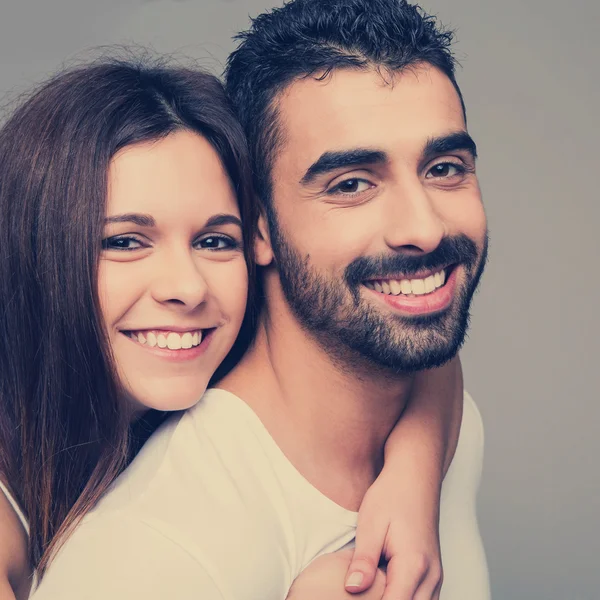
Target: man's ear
[{"x": 263, "y": 253}]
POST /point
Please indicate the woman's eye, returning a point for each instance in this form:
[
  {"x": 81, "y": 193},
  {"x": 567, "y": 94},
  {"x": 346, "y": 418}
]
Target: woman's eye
[
  {"x": 121, "y": 243},
  {"x": 216, "y": 242},
  {"x": 351, "y": 186},
  {"x": 445, "y": 170}
]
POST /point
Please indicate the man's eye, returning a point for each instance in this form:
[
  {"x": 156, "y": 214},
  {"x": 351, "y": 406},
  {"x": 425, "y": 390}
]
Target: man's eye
[
  {"x": 351, "y": 186},
  {"x": 121, "y": 243},
  {"x": 217, "y": 242},
  {"x": 444, "y": 170}
]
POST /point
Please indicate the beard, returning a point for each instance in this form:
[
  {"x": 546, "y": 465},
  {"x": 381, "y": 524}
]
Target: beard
[{"x": 357, "y": 333}]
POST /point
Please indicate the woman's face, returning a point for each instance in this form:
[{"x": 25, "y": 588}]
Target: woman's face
[{"x": 172, "y": 279}]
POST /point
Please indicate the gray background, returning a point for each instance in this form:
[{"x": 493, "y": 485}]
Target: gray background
[{"x": 531, "y": 81}]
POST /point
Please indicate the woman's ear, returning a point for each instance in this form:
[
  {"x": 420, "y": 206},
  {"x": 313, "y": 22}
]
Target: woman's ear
[{"x": 263, "y": 253}]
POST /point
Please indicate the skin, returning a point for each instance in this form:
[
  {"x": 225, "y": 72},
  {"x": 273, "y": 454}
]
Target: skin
[
  {"x": 405, "y": 204},
  {"x": 14, "y": 568},
  {"x": 165, "y": 267}
]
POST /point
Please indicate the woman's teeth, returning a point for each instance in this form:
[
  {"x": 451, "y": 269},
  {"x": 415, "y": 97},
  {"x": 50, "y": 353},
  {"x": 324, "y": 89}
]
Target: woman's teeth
[
  {"x": 167, "y": 339},
  {"x": 417, "y": 287}
]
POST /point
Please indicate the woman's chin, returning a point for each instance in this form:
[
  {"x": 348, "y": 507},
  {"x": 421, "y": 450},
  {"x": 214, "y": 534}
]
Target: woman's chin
[{"x": 167, "y": 395}]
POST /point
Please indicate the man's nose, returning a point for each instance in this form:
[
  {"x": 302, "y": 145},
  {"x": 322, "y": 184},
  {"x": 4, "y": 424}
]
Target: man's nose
[
  {"x": 179, "y": 280},
  {"x": 412, "y": 222}
]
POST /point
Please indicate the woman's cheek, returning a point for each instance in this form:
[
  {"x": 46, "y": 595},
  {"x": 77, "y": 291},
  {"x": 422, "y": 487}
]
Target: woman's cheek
[
  {"x": 233, "y": 290},
  {"x": 120, "y": 285}
]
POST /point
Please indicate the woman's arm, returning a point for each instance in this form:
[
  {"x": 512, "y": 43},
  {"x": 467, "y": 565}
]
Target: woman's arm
[
  {"x": 429, "y": 427},
  {"x": 15, "y": 575},
  {"x": 399, "y": 516}
]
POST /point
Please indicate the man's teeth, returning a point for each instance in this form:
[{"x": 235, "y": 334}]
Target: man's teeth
[
  {"x": 417, "y": 287},
  {"x": 168, "y": 339}
]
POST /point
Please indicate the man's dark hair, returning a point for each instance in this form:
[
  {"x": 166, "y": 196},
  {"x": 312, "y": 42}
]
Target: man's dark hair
[{"x": 314, "y": 37}]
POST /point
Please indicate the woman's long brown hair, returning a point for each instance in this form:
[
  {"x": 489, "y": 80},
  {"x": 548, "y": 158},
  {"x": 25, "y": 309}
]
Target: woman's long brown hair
[{"x": 64, "y": 436}]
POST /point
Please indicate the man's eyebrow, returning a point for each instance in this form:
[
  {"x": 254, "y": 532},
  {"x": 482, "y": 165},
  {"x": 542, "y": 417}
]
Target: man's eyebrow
[
  {"x": 460, "y": 140},
  {"x": 329, "y": 161},
  {"x": 223, "y": 219},
  {"x": 135, "y": 218}
]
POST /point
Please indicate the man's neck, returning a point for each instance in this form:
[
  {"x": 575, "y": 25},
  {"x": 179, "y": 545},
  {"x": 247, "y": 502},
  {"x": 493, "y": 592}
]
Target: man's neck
[{"x": 330, "y": 421}]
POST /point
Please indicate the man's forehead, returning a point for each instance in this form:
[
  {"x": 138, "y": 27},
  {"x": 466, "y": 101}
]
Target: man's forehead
[{"x": 358, "y": 108}]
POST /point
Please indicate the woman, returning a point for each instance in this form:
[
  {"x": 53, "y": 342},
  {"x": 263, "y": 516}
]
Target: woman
[{"x": 74, "y": 184}]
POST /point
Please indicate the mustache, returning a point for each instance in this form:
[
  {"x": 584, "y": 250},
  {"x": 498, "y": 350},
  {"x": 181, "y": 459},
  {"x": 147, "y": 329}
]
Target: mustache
[{"x": 458, "y": 249}]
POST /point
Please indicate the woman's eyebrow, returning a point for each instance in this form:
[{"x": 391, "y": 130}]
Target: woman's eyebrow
[
  {"x": 136, "y": 218},
  {"x": 148, "y": 221},
  {"x": 223, "y": 219}
]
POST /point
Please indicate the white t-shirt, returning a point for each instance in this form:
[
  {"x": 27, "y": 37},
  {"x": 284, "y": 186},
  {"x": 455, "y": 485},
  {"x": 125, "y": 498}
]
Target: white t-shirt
[{"x": 212, "y": 509}]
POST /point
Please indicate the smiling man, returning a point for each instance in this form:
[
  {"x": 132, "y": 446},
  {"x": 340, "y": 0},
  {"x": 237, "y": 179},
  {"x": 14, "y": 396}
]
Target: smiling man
[
  {"x": 379, "y": 241},
  {"x": 372, "y": 242}
]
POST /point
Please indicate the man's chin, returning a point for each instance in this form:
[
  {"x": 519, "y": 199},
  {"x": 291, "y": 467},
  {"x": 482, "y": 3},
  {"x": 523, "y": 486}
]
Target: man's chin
[
  {"x": 416, "y": 359},
  {"x": 406, "y": 344}
]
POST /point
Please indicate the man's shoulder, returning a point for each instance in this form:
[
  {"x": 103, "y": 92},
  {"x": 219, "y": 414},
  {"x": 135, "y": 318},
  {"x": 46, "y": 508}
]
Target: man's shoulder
[
  {"x": 465, "y": 567},
  {"x": 464, "y": 473},
  {"x": 472, "y": 422}
]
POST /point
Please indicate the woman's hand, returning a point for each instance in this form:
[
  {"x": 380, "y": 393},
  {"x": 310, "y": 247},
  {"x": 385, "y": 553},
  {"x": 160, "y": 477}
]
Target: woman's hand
[{"x": 399, "y": 524}]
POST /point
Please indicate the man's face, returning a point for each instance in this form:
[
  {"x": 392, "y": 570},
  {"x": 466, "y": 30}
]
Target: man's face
[{"x": 379, "y": 233}]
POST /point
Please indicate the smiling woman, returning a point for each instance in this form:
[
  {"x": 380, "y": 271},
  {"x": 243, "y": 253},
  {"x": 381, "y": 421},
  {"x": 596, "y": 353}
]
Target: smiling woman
[
  {"x": 172, "y": 277},
  {"x": 125, "y": 210}
]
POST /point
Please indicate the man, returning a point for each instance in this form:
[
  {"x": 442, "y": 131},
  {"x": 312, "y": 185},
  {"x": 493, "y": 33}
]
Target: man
[
  {"x": 373, "y": 234},
  {"x": 372, "y": 241}
]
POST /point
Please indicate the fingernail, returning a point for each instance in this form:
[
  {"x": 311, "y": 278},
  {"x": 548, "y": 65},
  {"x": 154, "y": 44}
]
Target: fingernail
[{"x": 354, "y": 579}]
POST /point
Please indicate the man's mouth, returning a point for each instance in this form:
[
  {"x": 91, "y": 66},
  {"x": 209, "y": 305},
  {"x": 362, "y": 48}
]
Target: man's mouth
[
  {"x": 171, "y": 340},
  {"x": 410, "y": 287}
]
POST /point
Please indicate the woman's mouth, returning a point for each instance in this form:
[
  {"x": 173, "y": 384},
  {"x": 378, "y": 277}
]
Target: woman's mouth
[{"x": 169, "y": 340}]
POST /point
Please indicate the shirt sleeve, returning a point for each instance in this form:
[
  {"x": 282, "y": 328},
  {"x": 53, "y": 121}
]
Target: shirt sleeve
[{"x": 129, "y": 560}]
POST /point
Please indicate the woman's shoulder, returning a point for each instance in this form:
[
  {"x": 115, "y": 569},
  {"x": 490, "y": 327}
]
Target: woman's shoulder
[
  {"x": 8, "y": 498},
  {"x": 14, "y": 567}
]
